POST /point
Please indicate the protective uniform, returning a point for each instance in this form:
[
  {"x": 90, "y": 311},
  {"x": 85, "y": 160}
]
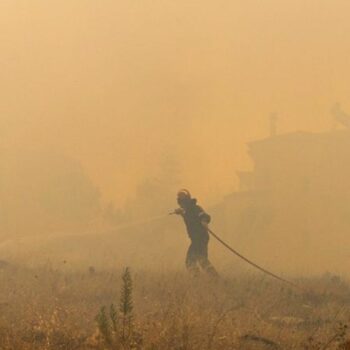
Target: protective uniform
[{"x": 196, "y": 221}]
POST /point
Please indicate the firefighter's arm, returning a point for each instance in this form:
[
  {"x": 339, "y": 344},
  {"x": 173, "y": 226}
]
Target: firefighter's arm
[
  {"x": 204, "y": 218},
  {"x": 179, "y": 211},
  {"x": 205, "y": 224}
]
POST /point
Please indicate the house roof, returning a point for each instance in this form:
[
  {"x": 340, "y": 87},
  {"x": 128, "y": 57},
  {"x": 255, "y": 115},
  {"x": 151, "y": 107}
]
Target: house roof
[{"x": 300, "y": 139}]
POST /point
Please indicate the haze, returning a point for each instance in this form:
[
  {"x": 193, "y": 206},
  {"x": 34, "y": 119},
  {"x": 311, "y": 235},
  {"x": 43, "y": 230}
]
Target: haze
[{"x": 117, "y": 88}]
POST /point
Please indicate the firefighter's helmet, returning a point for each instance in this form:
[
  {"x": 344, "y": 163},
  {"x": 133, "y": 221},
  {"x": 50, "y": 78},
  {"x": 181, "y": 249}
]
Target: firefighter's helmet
[{"x": 183, "y": 194}]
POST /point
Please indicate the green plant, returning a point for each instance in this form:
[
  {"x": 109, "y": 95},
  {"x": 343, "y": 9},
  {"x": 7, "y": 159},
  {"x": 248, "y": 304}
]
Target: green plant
[
  {"x": 104, "y": 326},
  {"x": 116, "y": 329},
  {"x": 113, "y": 314},
  {"x": 126, "y": 305}
]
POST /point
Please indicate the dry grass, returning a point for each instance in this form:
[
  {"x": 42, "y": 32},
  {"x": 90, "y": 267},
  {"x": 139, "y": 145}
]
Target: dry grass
[{"x": 48, "y": 309}]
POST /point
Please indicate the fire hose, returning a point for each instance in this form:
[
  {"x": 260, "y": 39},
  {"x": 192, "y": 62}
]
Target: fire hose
[
  {"x": 251, "y": 262},
  {"x": 227, "y": 246},
  {"x": 235, "y": 252}
]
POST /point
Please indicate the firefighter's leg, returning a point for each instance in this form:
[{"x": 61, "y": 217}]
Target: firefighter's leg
[
  {"x": 192, "y": 260},
  {"x": 204, "y": 261}
]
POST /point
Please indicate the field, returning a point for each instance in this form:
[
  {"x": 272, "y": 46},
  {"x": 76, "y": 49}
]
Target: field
[{"x": 45, "y": 308}]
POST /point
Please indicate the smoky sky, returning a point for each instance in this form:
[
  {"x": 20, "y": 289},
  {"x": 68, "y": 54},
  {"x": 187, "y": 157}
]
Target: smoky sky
[{"x": 119, "y": 84}]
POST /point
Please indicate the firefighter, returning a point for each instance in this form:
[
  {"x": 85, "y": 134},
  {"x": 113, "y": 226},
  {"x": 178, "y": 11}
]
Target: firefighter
[{"x": 196, "y": 221}]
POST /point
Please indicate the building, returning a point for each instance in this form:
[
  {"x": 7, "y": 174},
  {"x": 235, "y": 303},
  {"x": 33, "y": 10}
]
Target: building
[{"x": 295, "y": 202}]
